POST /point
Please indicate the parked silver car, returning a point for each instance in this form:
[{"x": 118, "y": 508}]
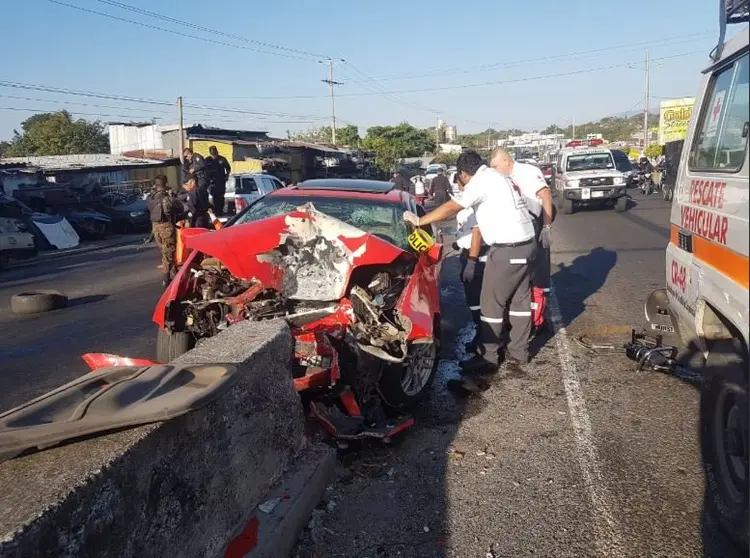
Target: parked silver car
[{"x": 244, "y": 188}]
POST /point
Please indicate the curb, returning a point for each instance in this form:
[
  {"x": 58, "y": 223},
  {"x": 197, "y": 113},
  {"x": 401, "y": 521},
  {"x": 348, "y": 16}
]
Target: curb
[
  {"x": 57, "y": 254},
  {"x": 273, "y": 529}
]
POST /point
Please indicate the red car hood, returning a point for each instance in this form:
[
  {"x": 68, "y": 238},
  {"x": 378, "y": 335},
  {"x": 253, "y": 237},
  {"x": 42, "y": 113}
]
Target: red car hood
[{"x": 318, "y": 268}]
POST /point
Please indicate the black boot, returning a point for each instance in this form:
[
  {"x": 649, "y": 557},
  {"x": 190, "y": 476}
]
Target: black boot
[{"x": 479, "y": 365}]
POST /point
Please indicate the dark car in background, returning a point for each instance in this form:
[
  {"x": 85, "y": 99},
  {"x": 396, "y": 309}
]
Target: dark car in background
[
  {"x": 128, "y": 212},
  {"x": 625, "y": 166}
]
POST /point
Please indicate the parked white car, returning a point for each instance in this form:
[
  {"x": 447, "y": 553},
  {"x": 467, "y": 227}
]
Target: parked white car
[{"x": 244, "y": 188}]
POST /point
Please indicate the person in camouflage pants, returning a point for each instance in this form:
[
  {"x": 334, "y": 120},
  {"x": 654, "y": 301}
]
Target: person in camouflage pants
[{"x": 164, "y": 210}]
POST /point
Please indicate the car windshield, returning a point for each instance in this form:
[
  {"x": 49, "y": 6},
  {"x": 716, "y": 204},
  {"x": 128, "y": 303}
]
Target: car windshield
[
  {"x": 590, "y": 161},
  {"x": 381, "y": 219}
]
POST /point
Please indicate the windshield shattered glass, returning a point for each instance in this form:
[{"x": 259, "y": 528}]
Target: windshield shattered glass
[
  {"x": 384, "y": 220},
  {"x": 597, "y": 161}
]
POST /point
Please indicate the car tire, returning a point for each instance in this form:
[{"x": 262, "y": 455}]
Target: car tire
[
  {"x": 723, "y": 422},
  {"x": 621, "y": 204},
  {"x": 36, "y": 302},
  {"x": 397, "y": 390},
  {"x": 169, "y": 346},
  {"x": 567, "y": 207}
]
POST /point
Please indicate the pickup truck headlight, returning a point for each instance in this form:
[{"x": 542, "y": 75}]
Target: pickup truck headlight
[
  {"x": 619, "y": 180},
  {"x": 572, "y": 183}
]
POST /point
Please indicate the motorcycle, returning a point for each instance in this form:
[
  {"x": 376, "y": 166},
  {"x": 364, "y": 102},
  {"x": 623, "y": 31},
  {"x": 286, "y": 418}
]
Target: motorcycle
[{"x": 645, "y": 182}]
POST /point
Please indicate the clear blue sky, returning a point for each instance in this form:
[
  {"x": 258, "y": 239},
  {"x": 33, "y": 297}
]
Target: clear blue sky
[{"x": 454, "y": 43}]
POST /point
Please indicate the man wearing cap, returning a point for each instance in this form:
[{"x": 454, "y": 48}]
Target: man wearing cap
[{"x": 505, "y": 225}]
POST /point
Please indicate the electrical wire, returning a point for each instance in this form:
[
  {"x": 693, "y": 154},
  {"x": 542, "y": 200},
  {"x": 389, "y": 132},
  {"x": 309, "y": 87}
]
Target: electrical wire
[
  {"x": 172, "y": 31},
  {"x": 169, "y": 19}
]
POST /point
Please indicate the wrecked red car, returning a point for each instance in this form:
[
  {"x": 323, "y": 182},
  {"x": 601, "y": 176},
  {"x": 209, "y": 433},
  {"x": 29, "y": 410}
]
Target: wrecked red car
[{"x": 334, "y": 259}]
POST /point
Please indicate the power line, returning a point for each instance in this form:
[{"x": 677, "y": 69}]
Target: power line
[
  {"x": 631, "y": 65},
  {"x": 139, "y": 100},
  {"x": 169, "y": 19},
  {"x": 71, "y": 112},
  {"x": 489, "y": 67},
  {"x": 172, "y": 31}
]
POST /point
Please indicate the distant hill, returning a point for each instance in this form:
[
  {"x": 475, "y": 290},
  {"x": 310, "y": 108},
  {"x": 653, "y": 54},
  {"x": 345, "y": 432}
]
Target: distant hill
[{"x": 612, "y": 128}]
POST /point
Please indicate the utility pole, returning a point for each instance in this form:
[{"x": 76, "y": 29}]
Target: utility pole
[
  {"x": 574, "y": 127},
  {"x": 645, "y": 110},
  {"x": 331, "y": 83},
  {"x": 489, "y": 132},
  {"x": 437, "y": 135},
  {"x": 182, "y": 130}
]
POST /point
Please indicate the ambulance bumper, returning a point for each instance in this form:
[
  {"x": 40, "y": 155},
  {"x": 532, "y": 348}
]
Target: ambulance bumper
[{"x": 594, "y": 194}]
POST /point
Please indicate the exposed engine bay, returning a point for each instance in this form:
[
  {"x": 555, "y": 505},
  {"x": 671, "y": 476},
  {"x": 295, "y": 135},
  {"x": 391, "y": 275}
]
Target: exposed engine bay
[{"x": 218, "y": 299}]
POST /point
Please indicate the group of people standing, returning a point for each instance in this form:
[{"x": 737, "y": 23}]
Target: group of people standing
[
  {"x": 504, "y": 212},
  {"x": 200, "y": 177}
]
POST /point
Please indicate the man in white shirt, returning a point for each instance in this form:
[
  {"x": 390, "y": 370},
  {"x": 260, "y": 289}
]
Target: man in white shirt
[
  {"x": 530, "y": 180},
  {"x": 505, "y": 226}
]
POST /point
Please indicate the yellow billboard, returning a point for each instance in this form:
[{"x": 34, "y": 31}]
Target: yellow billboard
[{"x": 674, "y": 117}]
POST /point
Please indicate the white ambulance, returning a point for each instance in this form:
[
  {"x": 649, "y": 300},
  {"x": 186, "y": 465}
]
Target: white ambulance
[{"x": 707, "y": 268}]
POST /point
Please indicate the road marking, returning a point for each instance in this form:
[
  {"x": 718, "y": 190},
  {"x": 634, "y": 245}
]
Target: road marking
[{"x": 608, "y": 539}]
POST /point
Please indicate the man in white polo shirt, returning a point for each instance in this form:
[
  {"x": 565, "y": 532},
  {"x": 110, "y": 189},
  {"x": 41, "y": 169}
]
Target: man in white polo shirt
[
  {"x": 539, "y": 200},
  {"x": 506, "y": 227}
]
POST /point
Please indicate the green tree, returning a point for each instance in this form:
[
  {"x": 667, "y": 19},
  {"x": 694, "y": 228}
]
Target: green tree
[
  {"x": 552, "y": 129},
  {"x": 654, "y": 150},
  {"x": 385, "y": 152},
  {"x": 348, "y": 135},
  {"x": 313, "y": 135},
  {"x": 448, "y": 159},
  {"x": 404, "y": 140},
  {"x": 4, "y": 147},
  {"x": 58, "y": 134}
]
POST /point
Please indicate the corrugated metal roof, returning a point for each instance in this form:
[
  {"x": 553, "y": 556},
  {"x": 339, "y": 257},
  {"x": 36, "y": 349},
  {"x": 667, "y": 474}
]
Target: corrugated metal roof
[{"x": 73, "y": 162}]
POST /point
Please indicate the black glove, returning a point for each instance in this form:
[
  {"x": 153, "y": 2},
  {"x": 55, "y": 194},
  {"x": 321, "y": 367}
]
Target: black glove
[
  {"x": 455, "y": 246},
  {"x": 468, "y": 275}
]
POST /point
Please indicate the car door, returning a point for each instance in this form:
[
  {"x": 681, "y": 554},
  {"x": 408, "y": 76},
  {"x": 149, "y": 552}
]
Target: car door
[{"x": 247, "y": 191}]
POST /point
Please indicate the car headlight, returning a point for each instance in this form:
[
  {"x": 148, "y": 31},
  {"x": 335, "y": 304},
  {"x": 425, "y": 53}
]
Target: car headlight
[
  {"x": 618, "y": 180},
  {"x": 573, "y": 183},
  {"x": 136, "y": 214}
]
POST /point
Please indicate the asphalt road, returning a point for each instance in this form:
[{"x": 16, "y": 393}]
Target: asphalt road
[
  {"x": 578, "y": 456},
  {"x": 112, "y": 294}
]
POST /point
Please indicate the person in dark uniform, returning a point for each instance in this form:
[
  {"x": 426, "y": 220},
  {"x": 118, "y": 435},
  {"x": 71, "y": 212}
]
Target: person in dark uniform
[
  {"x": 164, "y": 210},
  {"x": 400, "y": 182},
  {"x": 197, "y": 169},
  {"x": 441, "y": 188},
  {"x": 196, "y": 201},
  {"x": 218, "y": 173}
]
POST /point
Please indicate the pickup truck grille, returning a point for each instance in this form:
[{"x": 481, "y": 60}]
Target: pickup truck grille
[{"x": 605, "y": 181}]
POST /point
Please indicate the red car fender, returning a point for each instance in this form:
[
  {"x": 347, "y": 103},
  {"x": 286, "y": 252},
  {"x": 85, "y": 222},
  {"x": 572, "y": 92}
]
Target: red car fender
[{"x": 420, "y": 301}]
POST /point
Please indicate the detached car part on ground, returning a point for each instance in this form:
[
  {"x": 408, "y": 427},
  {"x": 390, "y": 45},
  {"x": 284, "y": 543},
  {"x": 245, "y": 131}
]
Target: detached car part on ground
[{"x": 364, "y": 313}]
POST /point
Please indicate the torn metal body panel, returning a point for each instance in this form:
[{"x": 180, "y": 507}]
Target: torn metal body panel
[{"x": 349, "y": 297}]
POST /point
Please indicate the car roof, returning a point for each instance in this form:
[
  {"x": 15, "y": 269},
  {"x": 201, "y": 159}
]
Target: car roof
[
  {"x": 347, "y": 185},
  {"x": 311, "y": 190}
]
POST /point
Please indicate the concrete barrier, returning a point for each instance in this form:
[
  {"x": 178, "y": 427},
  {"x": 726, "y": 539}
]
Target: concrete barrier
[{"x": 179, "y": 488}]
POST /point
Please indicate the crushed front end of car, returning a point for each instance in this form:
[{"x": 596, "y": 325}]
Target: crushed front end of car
[{"x": 363, "y": 313}]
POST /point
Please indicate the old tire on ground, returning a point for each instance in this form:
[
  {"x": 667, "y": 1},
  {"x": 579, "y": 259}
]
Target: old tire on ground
[
  {"x": 403, "y": 387},
  {"x": 171, "y": 345},
  {"x": 724, "y": 437},
  {"x": 567, "y": 207},
  {"x": 621, "y": 204},
  {"x": 35, "y": 302}
]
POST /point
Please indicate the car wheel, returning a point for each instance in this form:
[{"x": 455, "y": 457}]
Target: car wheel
[
  {"x": 35, "y": 302},
  {"x": 567, "y": 207},
  {"x": 724, "y": 437},
  {"x": 169, "y": 346},
  {"x": 403, "y": 386},
  {"x": 621, "y": 204}
]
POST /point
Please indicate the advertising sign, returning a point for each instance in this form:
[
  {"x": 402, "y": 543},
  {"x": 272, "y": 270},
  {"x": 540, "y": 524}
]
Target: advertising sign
[{"x": 674, "y": 117}]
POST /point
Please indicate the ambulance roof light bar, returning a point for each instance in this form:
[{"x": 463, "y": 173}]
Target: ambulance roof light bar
[{"x": 730, "y": 12}]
